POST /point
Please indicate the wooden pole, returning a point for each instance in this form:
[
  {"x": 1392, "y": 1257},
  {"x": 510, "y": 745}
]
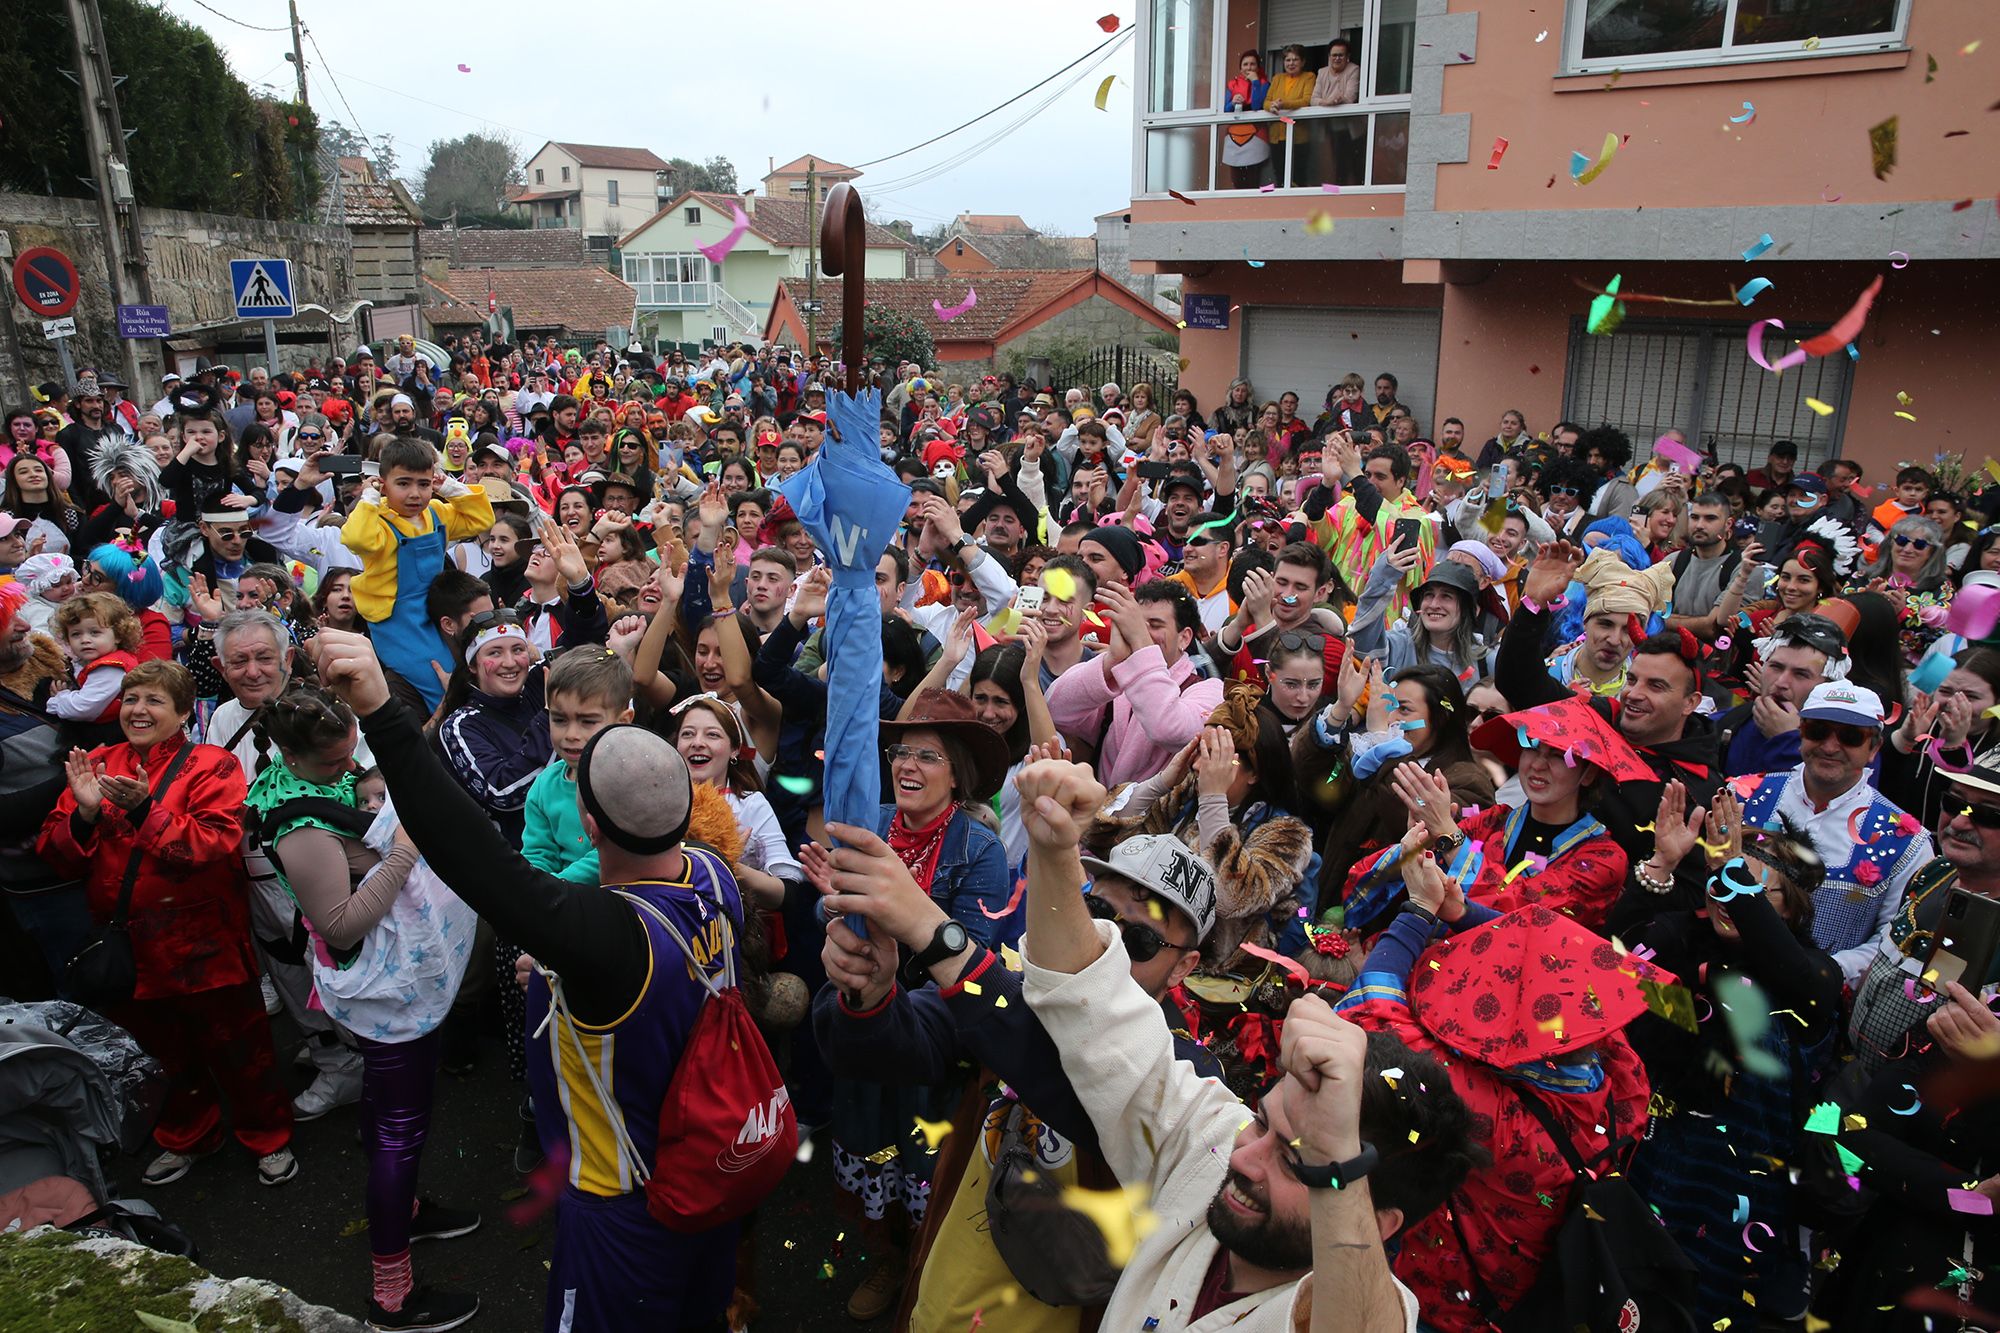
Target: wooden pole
[{"x": 844, "y": 246}]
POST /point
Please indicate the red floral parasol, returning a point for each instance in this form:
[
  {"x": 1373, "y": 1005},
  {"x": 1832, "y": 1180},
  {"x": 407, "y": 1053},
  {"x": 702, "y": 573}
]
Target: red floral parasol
[
  {"x": 1531, "y": 986},
  {"x": 1569, "y": 726}
]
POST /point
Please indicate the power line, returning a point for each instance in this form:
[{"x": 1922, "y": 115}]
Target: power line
[
  {"x": 239, "y": 22},
  {"x": 959, "y": 158},
  {"x": 483, "y": 120},
  {"x": 1109, "y": 41},
  {"x": 338, "y": 90}
]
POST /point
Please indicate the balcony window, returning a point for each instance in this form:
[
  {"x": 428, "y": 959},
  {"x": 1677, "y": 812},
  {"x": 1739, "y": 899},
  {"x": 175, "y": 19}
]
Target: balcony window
[
  {"x": 670, "y": 280},
  {"x": 1637, "y": 34},
  {"x": 1198, "y": 136}
]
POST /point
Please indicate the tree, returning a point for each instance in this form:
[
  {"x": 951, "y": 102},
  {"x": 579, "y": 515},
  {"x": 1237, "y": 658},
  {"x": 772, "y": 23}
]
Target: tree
[
  {"x": 715, "y": 176},
  {"x": 894, "y": 336},
  {"x": 470, "y": 174},
  {"x": 224, "y": 151}
]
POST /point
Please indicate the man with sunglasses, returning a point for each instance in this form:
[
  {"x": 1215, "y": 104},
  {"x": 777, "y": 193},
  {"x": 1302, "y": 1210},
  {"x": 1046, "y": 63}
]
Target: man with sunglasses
[
  {"x": 1159, "y": 894},
  {"x": 1887, "y": 1003},
  {"x": 1204, "y": 570},
  {"x": 1871, "y": 847}
]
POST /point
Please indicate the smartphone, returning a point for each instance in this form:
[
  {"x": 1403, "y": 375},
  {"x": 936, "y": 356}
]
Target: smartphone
[
  {"x": 1028, "y": 601},
  {"x": 1152, "y": 470},
  {"x": 1496, "y": 481},
  {"x": 340, "y": 465},
  {"x": 1964, "y": 945},
  {"x": 1409, "y": 532}
]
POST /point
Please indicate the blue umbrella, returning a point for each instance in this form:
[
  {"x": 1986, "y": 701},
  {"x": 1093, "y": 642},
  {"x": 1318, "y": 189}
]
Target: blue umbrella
[{"x": 852, "y": 504}]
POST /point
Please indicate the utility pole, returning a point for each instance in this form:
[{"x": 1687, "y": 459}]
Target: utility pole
[
  {"x": 298, "y": 55},
  {"x": 812, "y": 255},
  {"x": 124, "y": 244}
]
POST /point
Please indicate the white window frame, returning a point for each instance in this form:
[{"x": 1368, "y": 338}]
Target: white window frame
[
  {"x": 671, "y": 280},
  {"x": 1223, "y": 54},
  {"x": 1729, "y": 53}
]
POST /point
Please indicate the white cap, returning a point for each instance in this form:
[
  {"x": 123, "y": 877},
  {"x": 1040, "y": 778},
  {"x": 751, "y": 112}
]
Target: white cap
[{"x": 1843, "y": 701}]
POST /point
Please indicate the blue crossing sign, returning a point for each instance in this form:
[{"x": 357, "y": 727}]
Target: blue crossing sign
[{"x": 263, "y": 288}]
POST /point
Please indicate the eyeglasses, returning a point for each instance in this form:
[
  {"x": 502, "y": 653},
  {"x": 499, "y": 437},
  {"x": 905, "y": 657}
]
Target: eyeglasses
[
  {"x": 1142, "y": 942},
  {"x": 1814, "y": 730},
  {"x": 1918, "y": 543},
  {"x": 926, "y": 756},
  {"x": 1984, "y": 816}
]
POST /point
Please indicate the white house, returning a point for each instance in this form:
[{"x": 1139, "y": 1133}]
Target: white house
[{"x": 600, "y": 190}]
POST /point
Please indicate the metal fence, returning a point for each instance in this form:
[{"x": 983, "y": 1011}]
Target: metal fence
[
  {"x": 1654, "y": 375},
  {"x": 1123, "y": 366}
]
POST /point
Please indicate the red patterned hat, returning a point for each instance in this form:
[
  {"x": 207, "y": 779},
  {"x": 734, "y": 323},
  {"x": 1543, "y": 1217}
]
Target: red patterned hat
[{"x": 1529, "y": 987}]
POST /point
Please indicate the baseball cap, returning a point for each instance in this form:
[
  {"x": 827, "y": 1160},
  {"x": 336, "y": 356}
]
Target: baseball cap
[
  {"x": 1842, "y": 701},
  {"x": 1163, "y": 864},
  {"x": 1809, "y": 482},
  {"x": 1180, "y": 477},
  {"x": 9, "y": 525}
]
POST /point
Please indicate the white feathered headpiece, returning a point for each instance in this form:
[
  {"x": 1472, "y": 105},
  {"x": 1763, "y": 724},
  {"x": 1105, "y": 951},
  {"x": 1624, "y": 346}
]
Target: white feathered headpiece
[{"x": 1833, "y": 537}]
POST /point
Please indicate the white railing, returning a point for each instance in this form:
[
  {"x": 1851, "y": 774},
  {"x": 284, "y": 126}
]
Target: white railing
[
  {"x": 740, "y": 316},
  {"x": 1358, "y": 148}
]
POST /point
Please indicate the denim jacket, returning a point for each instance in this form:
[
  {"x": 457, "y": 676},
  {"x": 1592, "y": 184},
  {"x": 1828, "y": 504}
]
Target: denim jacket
[{"x": 971, "y": 884}]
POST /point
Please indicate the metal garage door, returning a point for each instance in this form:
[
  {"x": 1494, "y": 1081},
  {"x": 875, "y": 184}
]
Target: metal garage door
[
  {"x": 1653, "y": 375},
  {"x": 1308, "y": 348}
]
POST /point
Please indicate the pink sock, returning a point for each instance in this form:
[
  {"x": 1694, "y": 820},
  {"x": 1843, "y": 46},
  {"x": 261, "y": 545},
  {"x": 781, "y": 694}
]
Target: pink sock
[{"x": 393, "y": 1280}]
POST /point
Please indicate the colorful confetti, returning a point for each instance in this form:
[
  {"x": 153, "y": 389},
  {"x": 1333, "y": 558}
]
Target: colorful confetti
[
  {"x": 737, "y": 226},
  {"x": 1754, "y": 341},
  {"x": 1823, "y": 409},
  {"x": 1582, "y": 171},
  {"x": 1756, "y": 251},
  {"x": 1749, "y": 114},
  {"x": 1882, "y": 146},
  {"x": 1499, "y": 149},
  {"x": 1121, "y": 1217},
  {"x": 948, "y": 313},
  {"x": 1253, "y": 263},
  {"x": 1104, "y": 90},
  {"x": 1320, "y": 224},
  {"x": 1110, "y": 24},
  {"x": 1752, "y": 289},
  {"x": 1970, "y": 1201}
]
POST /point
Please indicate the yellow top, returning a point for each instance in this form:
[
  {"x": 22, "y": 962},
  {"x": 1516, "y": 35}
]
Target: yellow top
[
  {"x": 1288, "y": 93},
  {"x": 371, "y": 532}
]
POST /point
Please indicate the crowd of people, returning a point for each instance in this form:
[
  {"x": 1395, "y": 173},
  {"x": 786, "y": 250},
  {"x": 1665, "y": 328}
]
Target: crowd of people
[{"x": 1329, "y": 869}]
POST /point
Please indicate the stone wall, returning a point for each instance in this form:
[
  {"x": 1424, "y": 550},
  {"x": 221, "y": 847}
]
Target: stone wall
[{"x": 187, "y": 256}]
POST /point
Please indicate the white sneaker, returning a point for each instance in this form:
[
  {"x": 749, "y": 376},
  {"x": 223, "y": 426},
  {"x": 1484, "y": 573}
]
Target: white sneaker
[
  {"x": 271, "y": 1002},
  {"x": 170, "y": 1166},
  {"x": 330, "y": 1088},
  {"x": 276, "y": 1168}
]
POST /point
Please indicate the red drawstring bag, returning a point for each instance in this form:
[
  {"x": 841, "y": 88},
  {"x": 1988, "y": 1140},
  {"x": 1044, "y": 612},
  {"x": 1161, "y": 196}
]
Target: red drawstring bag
[{"x": 727, "y": 1129}]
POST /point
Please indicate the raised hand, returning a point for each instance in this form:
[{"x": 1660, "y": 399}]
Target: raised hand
[
  {"x": 1328, "y": 1056},
  {"x": 1057, "y": 800},
  {"x": 83, "y": 783},
  {"x": 1549, "y": 577},
  {"x": 958, "y": 639},
  {"x": 206, "y": 603},
  {"x": 1675, "y": 827},
  {"x": 1426, "y": 795},
  {"x": 809, "y": 602},
  {"x": 348, "y": 666},
  {"x": 1725, "y": 824},
  {"x": 625, "y": 635},
  {"x": 1215, "y": 761},
  {"x": 125, "y": 793}
]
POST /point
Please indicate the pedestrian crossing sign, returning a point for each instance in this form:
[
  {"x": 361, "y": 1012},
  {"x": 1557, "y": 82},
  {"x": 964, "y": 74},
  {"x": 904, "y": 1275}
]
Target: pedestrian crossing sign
[{"x": 263, "y": 288}]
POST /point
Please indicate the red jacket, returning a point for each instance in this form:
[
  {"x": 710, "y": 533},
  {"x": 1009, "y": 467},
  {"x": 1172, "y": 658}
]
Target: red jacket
[{"x": 190, "y": 914}]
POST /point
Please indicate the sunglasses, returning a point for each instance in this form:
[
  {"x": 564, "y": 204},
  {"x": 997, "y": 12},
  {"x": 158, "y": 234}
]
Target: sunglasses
[
  {"x": 1918, "y": 543},
  {"x": 1562, "y": 490},
  {"x": 1291, "y": 641},
  {"x": 1983, "y": 816},
  {"x": 1814, "y": 730},
  {"x": 1200, "y": 539},
  {"x": 1142, "y": 942},
  {"x": 498, "y": 616}
]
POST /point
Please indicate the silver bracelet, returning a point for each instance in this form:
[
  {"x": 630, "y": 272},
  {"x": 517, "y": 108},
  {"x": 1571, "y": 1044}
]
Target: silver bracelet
[{"x": 1648, "y": 883}]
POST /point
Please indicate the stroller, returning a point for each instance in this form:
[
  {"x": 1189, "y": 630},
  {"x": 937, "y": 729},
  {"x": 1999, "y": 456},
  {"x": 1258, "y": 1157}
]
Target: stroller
[{"x": 74, "y": 1086}]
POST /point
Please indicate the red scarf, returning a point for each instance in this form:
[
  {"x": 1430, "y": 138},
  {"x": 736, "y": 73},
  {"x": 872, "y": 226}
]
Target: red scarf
[{"x": 919, "y": 848}]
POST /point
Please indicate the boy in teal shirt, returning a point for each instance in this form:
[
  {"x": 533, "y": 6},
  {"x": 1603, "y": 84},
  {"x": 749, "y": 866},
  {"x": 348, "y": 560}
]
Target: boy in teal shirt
[{"x": 589, "y": 689}]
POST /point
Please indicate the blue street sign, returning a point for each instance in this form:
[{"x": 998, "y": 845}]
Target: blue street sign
[
  {"x": 143, "y": 321},
  {"x": 263, "y": 288},
  {"x": 1206, "y": 310}
]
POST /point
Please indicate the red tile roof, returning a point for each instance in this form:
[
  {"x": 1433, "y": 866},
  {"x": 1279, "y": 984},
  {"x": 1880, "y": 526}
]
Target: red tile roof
[
  {"x": 779, "y": 221},
  {"x": 1004, "y": 298},
  {"x": 797, "y": 167},
  {"x": 587, "y": 300},
  {"x": 472, "y": 247},
  {"x": 612, "y": 159},
  {"x": 988, "y": 223},
  {"x": 443, "y": 308}
]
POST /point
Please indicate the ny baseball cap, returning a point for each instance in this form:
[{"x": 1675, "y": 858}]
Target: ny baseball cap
[
  {"x": 1162, "y": 863},
  {"x": 1841, "y": 701}
]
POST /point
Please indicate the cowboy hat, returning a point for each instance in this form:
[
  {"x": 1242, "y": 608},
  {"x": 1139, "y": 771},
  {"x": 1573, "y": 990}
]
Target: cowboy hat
[{"x": 950, "y": 715}]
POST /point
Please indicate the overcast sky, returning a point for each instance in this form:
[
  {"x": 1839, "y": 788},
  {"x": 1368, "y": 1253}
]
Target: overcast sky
[{"x": 694, "y": 82}]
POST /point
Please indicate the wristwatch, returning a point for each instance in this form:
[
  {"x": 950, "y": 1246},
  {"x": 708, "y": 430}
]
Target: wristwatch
[
  {"x": 950, "y": 938},
  {"x": 1337, "y": 1175},
  {"x": 1449, "y": 844}
]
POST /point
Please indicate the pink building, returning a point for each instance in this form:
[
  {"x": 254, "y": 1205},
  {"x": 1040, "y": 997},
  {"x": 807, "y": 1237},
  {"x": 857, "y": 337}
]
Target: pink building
[{"x": 1472, "y": 283}]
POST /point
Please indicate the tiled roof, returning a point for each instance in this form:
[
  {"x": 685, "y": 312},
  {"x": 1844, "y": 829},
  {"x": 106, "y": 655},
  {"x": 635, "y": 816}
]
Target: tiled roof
[
  {"x": 535, "y": 196},
  {"x": 1027, "y": 250},
  {"x": 371, "y": 204},
  {"x": 1003, "y": 298},
  {"x": 470, "y": 247},
  {"x": 612, "y": 159},
  {"x": 584, "y": 299},
  {"x": 985, "y": 224},
  {"x": 779, "y": 221},
  {"x": 797, "y": 167},
  {"x": 442, "y": 307}
]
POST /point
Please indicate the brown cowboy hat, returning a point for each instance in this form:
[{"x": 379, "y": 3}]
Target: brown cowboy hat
[{"x": 950, "y": 714}]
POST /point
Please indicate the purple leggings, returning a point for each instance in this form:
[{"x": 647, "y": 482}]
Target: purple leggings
[{"x": 397, "y": 1083}]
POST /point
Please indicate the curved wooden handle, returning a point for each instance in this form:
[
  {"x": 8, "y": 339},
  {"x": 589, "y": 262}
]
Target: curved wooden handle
[{"x": 843, "y": 247}]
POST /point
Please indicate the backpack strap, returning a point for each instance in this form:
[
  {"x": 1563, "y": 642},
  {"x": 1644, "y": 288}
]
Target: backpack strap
[{"x": 1562, "y": 1141}]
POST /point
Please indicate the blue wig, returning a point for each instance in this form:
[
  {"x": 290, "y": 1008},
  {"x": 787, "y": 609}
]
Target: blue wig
[{"x": 133, "y": 577}]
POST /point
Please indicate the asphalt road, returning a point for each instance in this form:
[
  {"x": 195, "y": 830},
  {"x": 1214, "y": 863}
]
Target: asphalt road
[{"x": 309, "y": 1234}]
